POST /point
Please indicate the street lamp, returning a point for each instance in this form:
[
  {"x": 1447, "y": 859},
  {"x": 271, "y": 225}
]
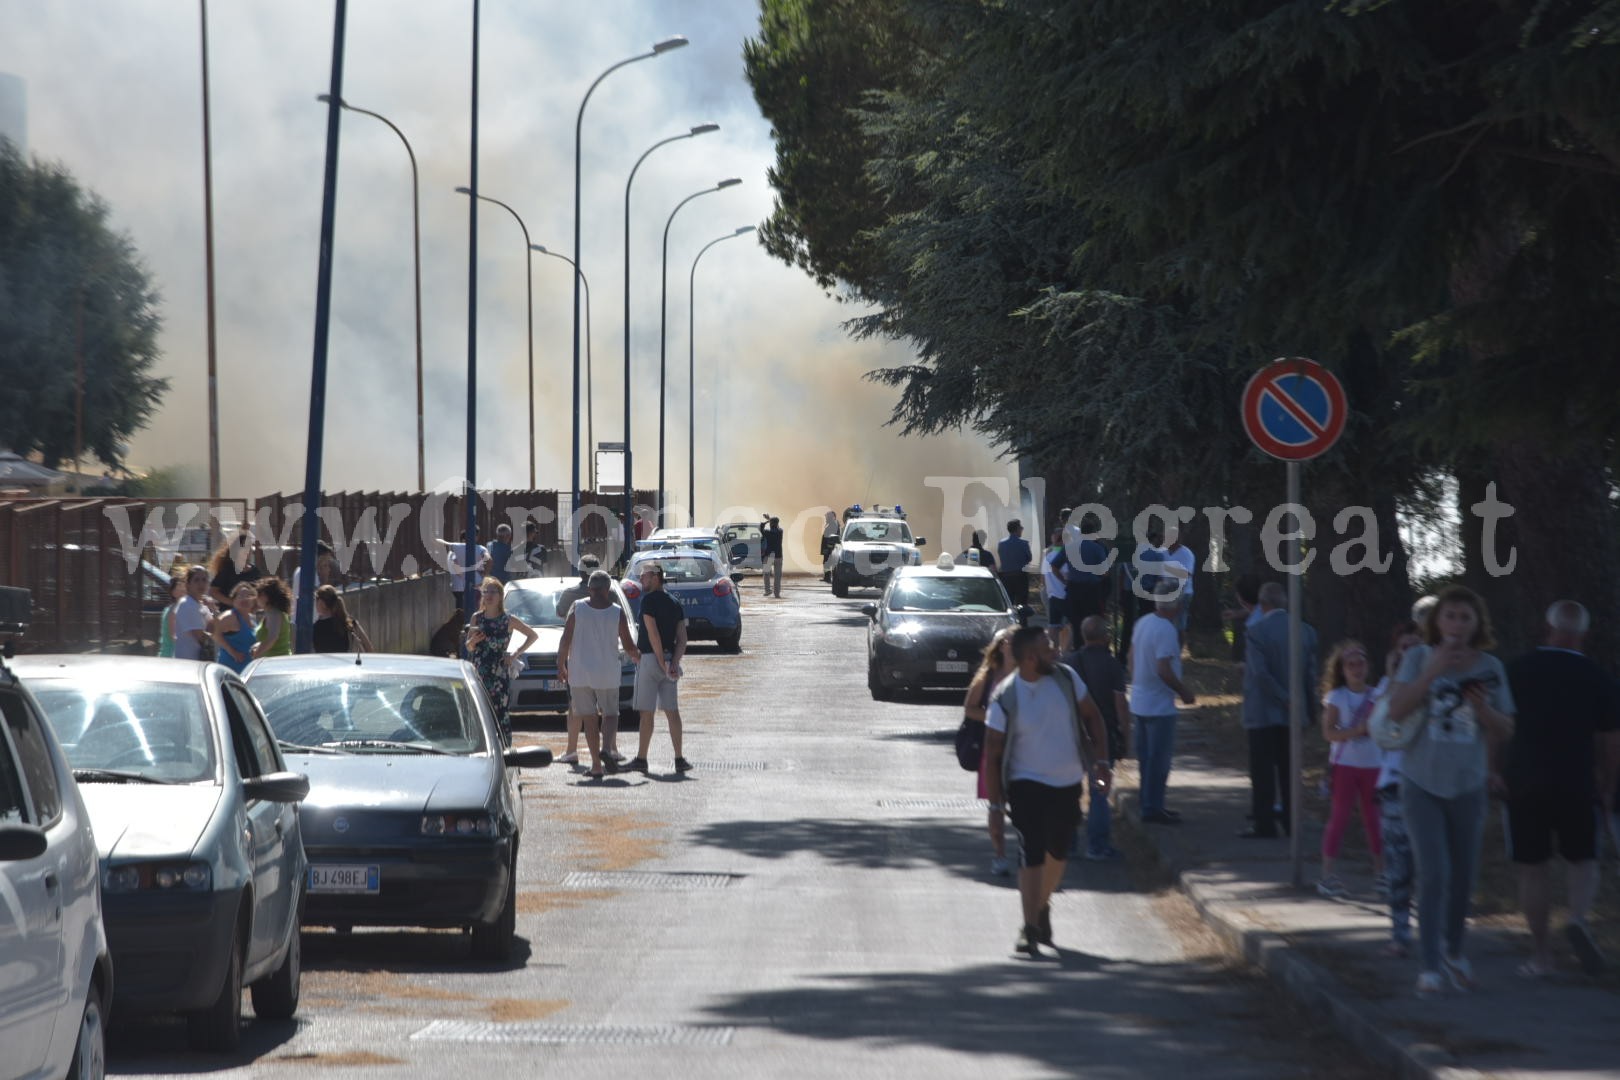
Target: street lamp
[
  {"x": 528, "y": 288},
  {"x": 629, "y": 487},
  {"x": 208, "y": 261},
  {"x": 691, "y": 373},
  {"x": 663, "y": 319},
  {"x": 667, "y": 45},
  {"x": 416, "y": 264},
  {"x": 590, "y": 411}
]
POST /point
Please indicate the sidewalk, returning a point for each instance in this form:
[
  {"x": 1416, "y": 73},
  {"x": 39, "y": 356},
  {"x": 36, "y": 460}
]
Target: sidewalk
[{"x": 1326, "y": 953}]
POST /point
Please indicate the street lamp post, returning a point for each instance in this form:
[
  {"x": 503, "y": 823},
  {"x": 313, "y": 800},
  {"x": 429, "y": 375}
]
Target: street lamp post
[
  {"x": 667, "y": 45},
  {"x": 528, "y": 288},
  {"x": 208, "y": 257},
  {"x": 691, "y": 372},
  {"x": 629, "y": 486},
  {"x": 590, "y": 409},
  {"x": 416, "y": 268},
  {"x": 663, "y": 321}
]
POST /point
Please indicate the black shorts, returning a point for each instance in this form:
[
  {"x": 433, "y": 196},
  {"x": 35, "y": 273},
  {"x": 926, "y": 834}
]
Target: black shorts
[
  {"x": 1045, "y": 817},
  {"x": 1057, "y": 610},
  {"x": 1533, "y": 820}
]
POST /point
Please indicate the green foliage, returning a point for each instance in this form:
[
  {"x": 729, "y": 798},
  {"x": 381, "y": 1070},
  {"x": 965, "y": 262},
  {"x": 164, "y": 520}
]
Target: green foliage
[{"x": 70, "y": 289}]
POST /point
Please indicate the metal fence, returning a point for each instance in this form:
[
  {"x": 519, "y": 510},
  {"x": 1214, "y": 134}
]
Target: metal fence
[{"x": 98, "y": 568}]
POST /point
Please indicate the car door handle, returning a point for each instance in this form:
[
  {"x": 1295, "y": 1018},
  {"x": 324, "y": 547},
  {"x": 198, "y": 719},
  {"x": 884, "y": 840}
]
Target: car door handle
[
  {"x": 278, "y": 828},
  {"x": 52, "y": 882}
]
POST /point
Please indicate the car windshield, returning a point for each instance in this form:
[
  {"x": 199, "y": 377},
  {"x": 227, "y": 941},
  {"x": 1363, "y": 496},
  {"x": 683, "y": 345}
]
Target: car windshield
[
  {"x": 884, "y": 532},
  {"x": 742, "y": 532},
  {"x": 678, "y": 571},
  {"x": 363, "y": 713},
  {"x": 947, "y": 594},
  {"x": 539, "y": 608},
  {"x": 155, "y": 731}
]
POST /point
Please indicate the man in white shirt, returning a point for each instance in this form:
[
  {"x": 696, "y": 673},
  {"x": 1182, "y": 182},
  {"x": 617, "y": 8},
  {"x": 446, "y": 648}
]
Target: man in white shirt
[
  {"x": 1055, "y": 576},
  {"x": 588, "y": 661},
  {"x": 1041, "y": 730},
  {"x": 192, "y": 617},
  {"x": 1155, "y": 686},
  {"x": 1179, "y": 554},
  {"x": 466, "y": 563}
]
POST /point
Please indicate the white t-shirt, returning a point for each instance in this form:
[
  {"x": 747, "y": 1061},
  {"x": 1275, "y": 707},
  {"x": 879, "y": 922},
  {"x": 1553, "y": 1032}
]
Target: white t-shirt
[
  {"x": 1044, "y": 749},
  {"x": 1153, "y": 639},
  {"x": 188, "y": 616},
  {"x": 1360, "y": 753},
  {"x": 1055, "y": 585},
  {"x": 1389, "y": 761},
  {"x": 479, "y": 558},
  {"x": 1189, "y": 562}
]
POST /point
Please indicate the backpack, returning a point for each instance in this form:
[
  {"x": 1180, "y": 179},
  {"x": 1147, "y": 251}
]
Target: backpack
[{"x": 1006, "y": 695}]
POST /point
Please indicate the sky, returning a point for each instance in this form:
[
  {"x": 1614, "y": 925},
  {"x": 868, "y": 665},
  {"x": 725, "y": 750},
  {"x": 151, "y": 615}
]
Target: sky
[{"x": 784, "y": 419}]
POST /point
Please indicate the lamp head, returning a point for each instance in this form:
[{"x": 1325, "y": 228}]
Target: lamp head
[
  {"x": 731, "y": 182},
  {"x": 463, "y": 191},
  {"x": 668, "y": 44},
  {"x": 704, "y": 129},
  {"x": 541, "y": 248},
  {"x": 326, "y": 99},
  {"x": 743, "y": 229}
]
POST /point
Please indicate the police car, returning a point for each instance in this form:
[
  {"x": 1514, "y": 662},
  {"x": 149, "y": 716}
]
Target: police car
[
  {"x": 932, "y": 625},
  {"x": 872, "y": 546}
]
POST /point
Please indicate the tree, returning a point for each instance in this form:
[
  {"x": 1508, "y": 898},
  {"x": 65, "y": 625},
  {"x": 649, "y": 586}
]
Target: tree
[{"x": 73, "y": 293}]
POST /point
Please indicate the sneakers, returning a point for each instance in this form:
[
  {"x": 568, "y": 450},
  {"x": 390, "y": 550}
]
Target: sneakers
[
  {"x": 1043, "y": 927},
  {"x": 614, "y": 756},
  {"x": 1000, "y": 866},
  {"x": 682, "y": 765},
  {"x": 569, "y": 759},
  {"x": 635, "y": 765},
  {"x": 1332, "y": 888},
  {"x": 1459, "y": 971},
  {"x": 1586, "y": 950},
  {"x": 1028, "y": 943},
  {"x": 1105, "y": 854},
  {"x": 1430, "y": 985}
]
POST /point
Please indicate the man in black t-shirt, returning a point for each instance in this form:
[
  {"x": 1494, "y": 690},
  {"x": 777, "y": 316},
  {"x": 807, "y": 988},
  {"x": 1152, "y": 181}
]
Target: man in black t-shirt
[
  {"x": 771, "y": 554},
  {"x": 1559, "y": 766},
  {"x": 1104, "y": 677},
  {"x": 661, "y": 637}
]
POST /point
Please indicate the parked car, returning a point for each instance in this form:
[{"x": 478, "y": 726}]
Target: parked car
[
  {"x": 56, "y": 972},
  {"x": 743, "y": 544},
  {"x": 870, "y": 549},
  {"x": 698, "y": 580},
  {"x": 543, "y": 604},
  {"x": 413, "y": 817},
  {"x": 932, "y": 624},
  {"x": 195, "y": 817},
  {"x": 684, "y": 537}
]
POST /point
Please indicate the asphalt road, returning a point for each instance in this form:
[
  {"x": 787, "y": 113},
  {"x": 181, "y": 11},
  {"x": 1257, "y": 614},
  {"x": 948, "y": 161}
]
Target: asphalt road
[{"x": 812, "y": 900}]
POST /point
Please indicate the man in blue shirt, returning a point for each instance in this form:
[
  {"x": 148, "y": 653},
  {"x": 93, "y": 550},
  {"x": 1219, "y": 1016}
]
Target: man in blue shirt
[
  {"x": 1013, "y": 555},
  {"x": 500, "y": 554}
]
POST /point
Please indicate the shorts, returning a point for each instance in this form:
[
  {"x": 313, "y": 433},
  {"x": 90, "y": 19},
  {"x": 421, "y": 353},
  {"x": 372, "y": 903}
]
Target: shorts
[
  {"x": 1057, "y": 610},
  {"x": 654, "y": 689},
  {"x": 1531, "y": 822},
  {"x": 1045, "y": 817},
  {"x": 590, "y": 700}
]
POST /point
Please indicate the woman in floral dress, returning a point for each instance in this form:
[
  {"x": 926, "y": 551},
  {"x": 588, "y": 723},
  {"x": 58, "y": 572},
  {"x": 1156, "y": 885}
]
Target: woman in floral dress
[{"x": 488, "y": 633}]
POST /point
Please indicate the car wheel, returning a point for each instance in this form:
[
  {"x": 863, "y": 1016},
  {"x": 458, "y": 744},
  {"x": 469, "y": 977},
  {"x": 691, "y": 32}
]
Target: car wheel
[
  {"x": 874, "y": 683},
  {"x": 492, "y": 941},
  {"x": 840, "y": 585},
  {"x": 219, "y": 1026},
  {"x": 90, "y": 1051},
  {"x": 731, "y": 642},
  {"x": 275, "y": 997}
]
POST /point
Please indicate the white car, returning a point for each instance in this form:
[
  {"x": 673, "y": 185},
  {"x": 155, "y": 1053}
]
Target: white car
[
  {"x": 543, "y": 604},
  {"x": 56, "y": 974},
  {"x": 870, "y": 549}
]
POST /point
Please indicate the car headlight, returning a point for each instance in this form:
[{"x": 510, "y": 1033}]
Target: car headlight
[
  {"x": 459, "y": 824},
  {"x": 158, "y": 876},
  {"x": 846, "y": 556}
]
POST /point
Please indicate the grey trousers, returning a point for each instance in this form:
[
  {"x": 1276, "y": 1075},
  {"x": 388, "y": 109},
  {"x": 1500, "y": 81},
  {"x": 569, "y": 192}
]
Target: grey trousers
[{"x": 1446, "y": 837}]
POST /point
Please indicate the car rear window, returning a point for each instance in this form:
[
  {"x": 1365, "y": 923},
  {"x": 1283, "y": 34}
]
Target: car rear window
[
  {"x": 345, "y": 712},
  {"x": 158, "y": 730},
  {"x": 971, "y": 594},
  {"x": 883, "y": 532},
  {"x": 677, "y": 571}
]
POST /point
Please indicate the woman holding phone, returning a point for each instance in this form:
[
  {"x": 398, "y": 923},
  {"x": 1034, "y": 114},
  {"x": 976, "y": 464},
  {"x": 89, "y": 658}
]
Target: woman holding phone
[{"x": 1464, "y": 691}]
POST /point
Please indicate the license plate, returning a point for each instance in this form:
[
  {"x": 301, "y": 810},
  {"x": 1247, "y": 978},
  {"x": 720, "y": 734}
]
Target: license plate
[
  {"x": 952, "y": 667},
  {"x": 333, "y": 878}
]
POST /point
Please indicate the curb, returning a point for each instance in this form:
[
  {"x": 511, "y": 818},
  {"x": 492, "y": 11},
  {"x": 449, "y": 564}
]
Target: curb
[{"x": 1311, "y": 985}]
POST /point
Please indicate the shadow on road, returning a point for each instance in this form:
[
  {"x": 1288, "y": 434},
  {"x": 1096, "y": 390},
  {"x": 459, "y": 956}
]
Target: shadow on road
[{"x": 148, "y": 1045}]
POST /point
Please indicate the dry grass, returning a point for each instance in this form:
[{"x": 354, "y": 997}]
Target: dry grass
[
  {"x": 349, "y": 1057},
  {"x": 515, "y": 1010}
]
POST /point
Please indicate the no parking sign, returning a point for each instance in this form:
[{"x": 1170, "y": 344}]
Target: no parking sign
[{"x": 1294, "y": 409}]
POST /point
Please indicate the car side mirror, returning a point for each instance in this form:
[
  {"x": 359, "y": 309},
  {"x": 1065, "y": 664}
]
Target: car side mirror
[
  {"x": 869, "y": 610},
  {"x": 21, "y": 842},
  {"x": 921, "y": 540},
  {"x": 527, "y": 757},
  {"x": 736, "y": 579},
  {"x": 282, "y": 787}
]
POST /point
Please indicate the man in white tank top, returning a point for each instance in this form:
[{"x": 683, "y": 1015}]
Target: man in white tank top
[{"x": 588, "y": 661}]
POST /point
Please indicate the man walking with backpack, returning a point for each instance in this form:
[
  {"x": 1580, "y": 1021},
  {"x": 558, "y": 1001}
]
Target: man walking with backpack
[{"x": 1042, "y": 733}]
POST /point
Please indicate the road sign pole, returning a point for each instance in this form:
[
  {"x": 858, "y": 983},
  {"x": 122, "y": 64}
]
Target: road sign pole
[{"x": 1296, "y": 702}]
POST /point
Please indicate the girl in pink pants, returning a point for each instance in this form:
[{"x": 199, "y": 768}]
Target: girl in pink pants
[{"x": 1347, "y": 704}]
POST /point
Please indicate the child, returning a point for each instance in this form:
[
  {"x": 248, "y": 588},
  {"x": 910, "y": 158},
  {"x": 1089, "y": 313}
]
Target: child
[
  {"x": 1347, "y": 704},
  {"x": 1392, "y": 821}
]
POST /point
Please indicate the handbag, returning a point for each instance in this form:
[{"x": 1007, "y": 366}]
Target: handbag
[
  {"x": 1396, "y": 732},
  {"x": 970, "y": 744}
]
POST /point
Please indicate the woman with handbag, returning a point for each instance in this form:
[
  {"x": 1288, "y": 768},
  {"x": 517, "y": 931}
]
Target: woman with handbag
[
  {"x": 994, "y": 666},
  {"x": 1450, "y": 703}
]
